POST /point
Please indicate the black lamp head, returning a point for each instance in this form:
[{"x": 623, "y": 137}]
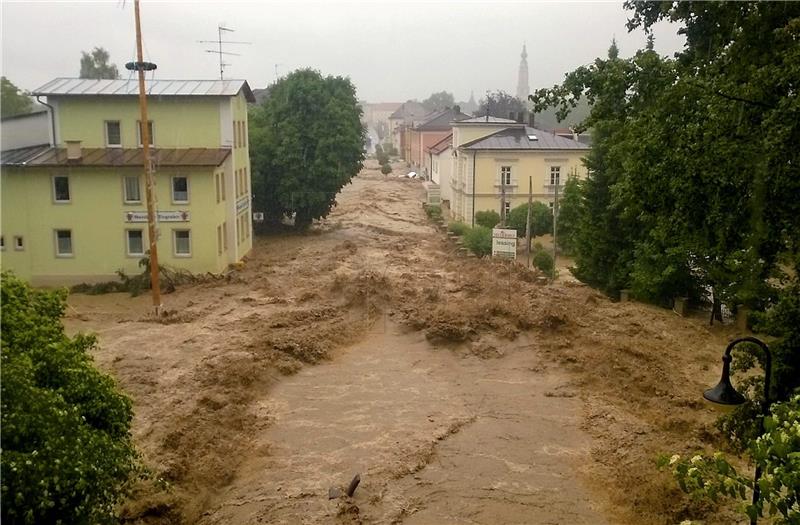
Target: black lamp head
[{"x": 724, "y": 393}]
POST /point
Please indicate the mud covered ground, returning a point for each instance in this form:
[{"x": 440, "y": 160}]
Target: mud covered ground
[{"x": 461, "y": 390}]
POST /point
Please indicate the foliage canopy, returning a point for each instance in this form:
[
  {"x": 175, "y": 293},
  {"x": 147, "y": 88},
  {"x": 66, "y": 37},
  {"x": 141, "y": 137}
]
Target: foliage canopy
[
  {"x": 96, "y": 65},
  {"x": 12, "y": 100},
  {"x": 306, "y": 143},
  {"x": 67, "y": 450}
]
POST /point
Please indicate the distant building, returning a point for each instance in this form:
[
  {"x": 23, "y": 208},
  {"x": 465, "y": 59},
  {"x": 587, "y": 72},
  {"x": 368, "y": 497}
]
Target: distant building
[
  {"x": 74, "y": 210},
  {"x": 433, "y": 129},
  {"x": 492, "y": 153},
  {"x": 406, "y": 116},
  {"x": 376, "y": 116},
  {"x": 523, "y": 89},
  {"x": 28, "y": 129}
]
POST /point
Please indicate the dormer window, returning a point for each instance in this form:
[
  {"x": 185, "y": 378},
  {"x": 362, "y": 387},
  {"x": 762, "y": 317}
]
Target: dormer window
[{"x": 113, "y": 134}]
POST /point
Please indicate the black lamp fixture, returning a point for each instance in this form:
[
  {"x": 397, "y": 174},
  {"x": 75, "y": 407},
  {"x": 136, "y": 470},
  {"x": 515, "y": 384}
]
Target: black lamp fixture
[{"x": 725, "y": 394}]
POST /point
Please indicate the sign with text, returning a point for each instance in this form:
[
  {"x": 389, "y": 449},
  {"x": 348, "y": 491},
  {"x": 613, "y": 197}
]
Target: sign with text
[
  {"x": 504, "y": 243},
  {"x": 242, "y": 204},
  {"x": 161, "y": 216}
]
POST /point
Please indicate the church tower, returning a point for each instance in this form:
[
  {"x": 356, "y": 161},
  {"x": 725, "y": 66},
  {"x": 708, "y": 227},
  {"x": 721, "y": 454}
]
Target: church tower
[{"x": 523, "y": 89}]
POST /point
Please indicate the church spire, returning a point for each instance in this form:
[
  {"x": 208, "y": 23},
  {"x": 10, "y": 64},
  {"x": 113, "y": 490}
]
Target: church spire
[{"x": 523, "y": 89}]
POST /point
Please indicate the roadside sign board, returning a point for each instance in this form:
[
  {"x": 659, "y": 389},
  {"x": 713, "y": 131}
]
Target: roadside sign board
[{"x": 504, "y": 243}]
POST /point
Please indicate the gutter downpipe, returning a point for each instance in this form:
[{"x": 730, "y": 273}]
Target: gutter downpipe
[
  {"x": 52, "y": 117},
  {"x": 474, "y": 153}
]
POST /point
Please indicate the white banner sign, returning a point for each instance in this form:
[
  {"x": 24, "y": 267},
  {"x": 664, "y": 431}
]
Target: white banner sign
[
  {"x": 504, "y": 243},
  {"x": 242, "y": 204},
  {"x": 161, "y": 216}
]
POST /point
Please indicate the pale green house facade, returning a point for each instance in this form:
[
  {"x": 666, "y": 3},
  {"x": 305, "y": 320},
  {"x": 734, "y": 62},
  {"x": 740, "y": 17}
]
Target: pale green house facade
[{"x": 76, "y": 212}]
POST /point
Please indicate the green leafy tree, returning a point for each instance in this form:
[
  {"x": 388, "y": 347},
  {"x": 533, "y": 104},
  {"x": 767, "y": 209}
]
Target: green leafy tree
[
  {"x": 306, "y": 143},
  {"x": 487, "y": 218},
  {"x": 96, "y": 65},
  {"x": 500, "y": 104},
  {"x": 67, "y": 450},
  {"x": 541, "y": 219},
  {"x": 439, "y": 101},
  {"x": 12, "y": 100},
  {"x": 570, "y": 206}
]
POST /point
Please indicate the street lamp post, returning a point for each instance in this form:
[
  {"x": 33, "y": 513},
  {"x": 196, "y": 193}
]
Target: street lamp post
[{"x": 725, "y": 394}]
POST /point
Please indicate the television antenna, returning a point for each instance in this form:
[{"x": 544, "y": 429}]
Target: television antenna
[{"x": 222, "y": 54}]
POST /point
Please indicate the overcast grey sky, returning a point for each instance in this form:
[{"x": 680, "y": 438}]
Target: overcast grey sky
[{"x": 392, "y": 50}]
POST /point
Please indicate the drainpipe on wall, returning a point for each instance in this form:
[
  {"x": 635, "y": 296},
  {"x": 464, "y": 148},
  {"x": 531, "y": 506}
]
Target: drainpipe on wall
[
  {"x": 52, "y": 118},
  {"x": 474, "y": 153}
]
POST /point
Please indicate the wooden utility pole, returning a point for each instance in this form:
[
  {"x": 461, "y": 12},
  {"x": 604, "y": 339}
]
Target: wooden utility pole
[
  {"x": 528, "y": 231},
  {"x": 555, "y": 225},
  {"x": 155, "y": 285}
]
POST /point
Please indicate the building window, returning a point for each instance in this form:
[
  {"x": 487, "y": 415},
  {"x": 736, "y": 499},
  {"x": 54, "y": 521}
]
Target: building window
[
  {"x": 113, "y": 134},
  {"x": 219, "y": 240},
  {"x": 131, "y": 190},
  {"x": 551, "y": 203},
  {"x": 244, "y": 133},
  {"x": 61, "y": 188},
  {"x": 149, "y": 131},
  {"x": 182, "y": 243},
  {"x": 507, "y": 208},
  {"x": 225, "y": 235},
  {"x": 19, "y": 243},
  {"x": 222, "y": 185},
  {"x": 2, "y": 242},
  {"x": 135, "y": 242},
  {"x": 555, "y": 175},
  {"x": 64, "y": 243},
  {"x": 180, "y": 189},
  {"x": 505, "y": 175},
  {"x": 246, "y": 180},
  {"x": 216, "y": 185}
]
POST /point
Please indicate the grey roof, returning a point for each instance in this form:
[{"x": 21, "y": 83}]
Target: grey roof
[
  {"x": 409, "y": 111},
  {"x": 489, "y": 120},
  {"x": 21, "y": 156},
  {"x": 521, "y": 138},
  {"x": 441, "y": 120},
  {"x": 87, "y": 86}
]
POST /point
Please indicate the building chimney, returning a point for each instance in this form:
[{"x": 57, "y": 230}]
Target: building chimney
[
  {"x": 521, "y": 117},
  {"x": 512, "y": 116},
  {"x": 73, "y": 149},
  {"x": 532, "y": 119}
]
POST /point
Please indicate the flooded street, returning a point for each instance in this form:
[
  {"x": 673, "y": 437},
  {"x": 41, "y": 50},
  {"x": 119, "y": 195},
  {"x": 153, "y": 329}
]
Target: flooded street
[{"x": 461, "y": 390}]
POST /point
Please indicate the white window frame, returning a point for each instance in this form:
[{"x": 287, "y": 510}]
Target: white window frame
[
  {"x": 507, "y": 206},
  {"x": 128, "y": 251},
  {"x": 555, "y": 180},
  {"x": 505, "y": 171},
  {"x": 105, "y": 132},
  {"x": 69, "y": 189},
  {"x": 172, "y": 189},
  {"x": 125, "y": 198},
  {"x": 152, "y": 133},
  {"x": 19, "y": 243},
  {"x": 71, "y": 243},
  {"x": 175, "y": 242}
]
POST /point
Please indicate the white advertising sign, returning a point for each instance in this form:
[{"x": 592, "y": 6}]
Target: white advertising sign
[
  {"x": 504, "y": 243},
  {"x": 161, "y": 216},
  {"x": 258, "y": 216},
  {"x": 242, "y": 204}
]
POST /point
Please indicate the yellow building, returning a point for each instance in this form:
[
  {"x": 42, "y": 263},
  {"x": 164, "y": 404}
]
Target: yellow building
[
  {"x": 76, "y": 212},
  {"x": 490, "y": 151}
]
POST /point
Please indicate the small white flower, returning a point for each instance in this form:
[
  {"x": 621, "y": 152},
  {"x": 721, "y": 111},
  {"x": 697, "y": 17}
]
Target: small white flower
[
  {"x": 696, "y": 459},
  {"x": 674, "y": 459}
]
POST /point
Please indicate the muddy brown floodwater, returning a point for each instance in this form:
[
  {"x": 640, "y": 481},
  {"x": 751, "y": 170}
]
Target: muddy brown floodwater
[{"x": 461, "y": 390}]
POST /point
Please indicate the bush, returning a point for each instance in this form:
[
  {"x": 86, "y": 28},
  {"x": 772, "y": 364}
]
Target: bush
[
  {"x": 67, "y": 451},
  {"x": 378, "y": 150},
  {"x": 487, "y": 218},
  {"x": 457, "y": 227},
  {"x": 386, "y": 169},
  {"x": 541, "y": 219},
  {"x": 543, "y": 261},
  {"x": 383, "y": 159},
  {"x": 433, "y": 211},
  {"x": 775, "y": 452},
  {"x": 478, "y": 240}
]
